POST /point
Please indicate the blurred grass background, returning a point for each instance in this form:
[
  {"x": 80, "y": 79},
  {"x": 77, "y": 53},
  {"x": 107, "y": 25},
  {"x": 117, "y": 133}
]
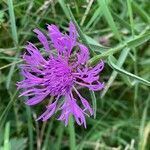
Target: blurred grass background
[{"x": 117, "y": 32}]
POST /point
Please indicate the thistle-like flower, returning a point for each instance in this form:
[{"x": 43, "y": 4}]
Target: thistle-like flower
[{"x": 59, "y": 75}]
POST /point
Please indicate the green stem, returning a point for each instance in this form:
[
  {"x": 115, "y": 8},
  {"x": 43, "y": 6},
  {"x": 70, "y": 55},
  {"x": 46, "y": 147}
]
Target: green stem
[
  {"x": 30, "y": 130},
  {"x": 136, "y": 41},
  {"x": 72, "y": 134}
]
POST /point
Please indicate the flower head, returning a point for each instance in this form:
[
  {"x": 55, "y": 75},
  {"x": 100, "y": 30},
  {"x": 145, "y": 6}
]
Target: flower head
[{"x": 59, "y": 75}]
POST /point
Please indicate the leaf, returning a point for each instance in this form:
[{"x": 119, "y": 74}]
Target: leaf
[
  {"x": 140, "y": 39},
  {"x": 122, "y": 71},
  {"x": 95, "y": 45},
  {"x": 94, "y": 102},
  {"x": 114, "y": 74},
  {"x": 132, "y": 43},
  {"x": 18, "y": 143}
]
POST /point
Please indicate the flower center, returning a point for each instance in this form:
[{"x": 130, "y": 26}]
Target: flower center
[{"x": 58, "y": 77}]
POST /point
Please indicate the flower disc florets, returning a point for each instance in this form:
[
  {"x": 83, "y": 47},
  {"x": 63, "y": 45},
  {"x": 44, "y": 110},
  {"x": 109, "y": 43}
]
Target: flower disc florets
[{"x": 59, "y": 75}]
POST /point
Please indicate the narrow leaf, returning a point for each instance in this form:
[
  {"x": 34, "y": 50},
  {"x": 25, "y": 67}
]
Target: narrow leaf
[
  {"x": 109, "y": 18},
  {"x": 115, "y": 67},
  {"x": 94, "y": 102}
]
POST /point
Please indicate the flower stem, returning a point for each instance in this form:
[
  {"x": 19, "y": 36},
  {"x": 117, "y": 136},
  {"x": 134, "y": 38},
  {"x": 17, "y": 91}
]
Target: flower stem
[{"x": 72, "y": 134}]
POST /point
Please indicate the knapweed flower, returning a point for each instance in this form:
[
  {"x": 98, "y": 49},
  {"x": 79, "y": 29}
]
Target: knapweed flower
[{"x": 59, "y": 75}]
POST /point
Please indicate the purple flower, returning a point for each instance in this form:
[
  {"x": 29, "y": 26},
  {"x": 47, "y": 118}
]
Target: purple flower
[{"x": 59, "y": 75}]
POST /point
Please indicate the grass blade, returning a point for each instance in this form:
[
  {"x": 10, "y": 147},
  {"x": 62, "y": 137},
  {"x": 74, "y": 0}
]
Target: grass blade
[
  {"x": 15, "y": 39},
  {"x": 8, "y": 107},
  {"x": 60, "y": 136},
  {"x": 6, "y": 137},
  {"x": 123, "y": 22},
  {"x": 86, "y": 12},
  {"x": 145, "y": 138},
  {"x": 45, "y": 147},
  {"x": 141, "y": 12},
  {"x": 131, "y": 16},
  {"x": 97, "y": 13},
  {"x": 109, "y": 18},
  {"x": 13, "y": 22},
  {"x": 64, "y": 7},
  {"x": 143, "y": 121}
]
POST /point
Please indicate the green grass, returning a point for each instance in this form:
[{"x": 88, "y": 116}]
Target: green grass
[{"x": 117, "y": 32}]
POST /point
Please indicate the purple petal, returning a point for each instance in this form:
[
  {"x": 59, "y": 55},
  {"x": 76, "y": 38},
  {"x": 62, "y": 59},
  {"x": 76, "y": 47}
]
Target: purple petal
[
  {"x": 95, "y": 87},
  {"x": 97, "y": 69},
  {"x": 26, "y": 84},
  {"x": 72, "y": 37},
  {"x": 33, "y": 91},
  {"x": 63, "y": 43},
  {"x": 29, "y": 75},
  {"x": 30, "y": 68},
  {"x": 42, "y": 38},
  {"x": 84, "y": 102},
  {"x": 88, "y": 77},
  {"x": 56, "y": 38},
  {"x": 83, "y": 55},
  {"x": 35, "y": 57},
  {"x": 36, "y": 99},
  {"x": 72, "y": 32},
  {"x": 70, "y": 107},
  {"x": 68, "y": 44},
  {"x": 51, "y": 108}
]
